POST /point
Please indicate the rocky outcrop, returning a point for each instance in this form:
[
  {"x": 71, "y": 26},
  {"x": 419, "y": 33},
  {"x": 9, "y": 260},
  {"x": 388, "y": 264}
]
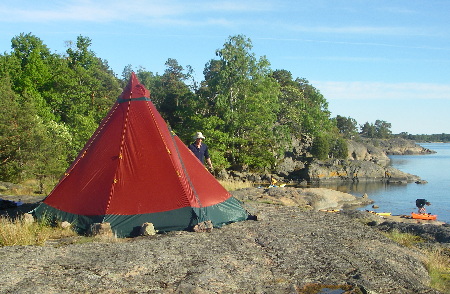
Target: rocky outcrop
[
  {"x": 399, "y": 146},
  {"x": 367, "y": 160},
  {"x": 366, "y": 152},
  {"x": 307, "y": 198},
  {"x": 355, "y": 170},
  {"x": 287, "y": 250}
]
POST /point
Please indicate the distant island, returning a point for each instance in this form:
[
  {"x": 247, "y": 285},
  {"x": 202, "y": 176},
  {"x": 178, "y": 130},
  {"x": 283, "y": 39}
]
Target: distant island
[{"x": 423, "y": 138}]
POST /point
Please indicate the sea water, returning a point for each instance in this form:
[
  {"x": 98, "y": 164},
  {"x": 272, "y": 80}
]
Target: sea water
[{"x": 400, "y": 199}]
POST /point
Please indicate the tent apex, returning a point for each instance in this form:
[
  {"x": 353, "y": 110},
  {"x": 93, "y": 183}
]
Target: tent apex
[{"x": 134, "y": 89}]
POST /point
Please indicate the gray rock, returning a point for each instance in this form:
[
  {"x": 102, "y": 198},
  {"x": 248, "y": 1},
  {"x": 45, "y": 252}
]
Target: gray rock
[
  {"x": 147, "y": 229},
  {"x": 399, "y": 146},
  {"x": 65, "y": 225},
  {"x": 289, "y": 249},
  {"x": 306, "y": 198},
  {"x": 101, "y": 229},
  {"x": 366, "y": 152},
  {"x": 202, "y": 227},
  {"x": 28, "y": 218}
]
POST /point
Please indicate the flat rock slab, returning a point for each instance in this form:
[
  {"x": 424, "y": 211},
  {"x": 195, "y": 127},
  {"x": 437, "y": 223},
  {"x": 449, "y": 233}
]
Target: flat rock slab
[{"x": 282, "y": 253}]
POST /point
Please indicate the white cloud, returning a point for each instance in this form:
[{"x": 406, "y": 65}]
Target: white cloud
[
  {"x": 372, "y": 30},
  {"x": 87, "y": 10},
  {"x": 115, "y": 10},
  {"x": 378, "y": 90}
]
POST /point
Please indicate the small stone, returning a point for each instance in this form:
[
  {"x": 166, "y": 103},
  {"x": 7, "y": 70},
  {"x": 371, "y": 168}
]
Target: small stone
[
  {"x": 28, "y": 218},
  {"x": 103, "y": 229},
  {"x": 65, "y": 225},
  {"x": 205, "y": 226},
  {"x": 147, "y": 229}
]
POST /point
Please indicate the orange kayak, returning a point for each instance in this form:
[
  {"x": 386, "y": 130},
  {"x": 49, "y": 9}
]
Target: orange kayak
[{"x": 423, "y": 216}]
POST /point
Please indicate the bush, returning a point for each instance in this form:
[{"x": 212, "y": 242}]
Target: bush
[
  {"x": 320, "y": 148},
  {"x": 340, "y": 148}
]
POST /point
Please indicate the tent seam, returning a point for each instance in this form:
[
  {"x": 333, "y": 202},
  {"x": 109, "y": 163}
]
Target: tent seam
[
  {"x": 188, "y": 178},
  {"x": 171, "y": 159},
  {"x": 86, "y": 148},
  {"x": 115, "y": 180}
]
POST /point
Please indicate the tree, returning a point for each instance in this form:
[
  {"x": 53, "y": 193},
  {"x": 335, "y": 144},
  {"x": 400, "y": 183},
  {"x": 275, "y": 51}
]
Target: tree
[
  {"x": 28, "y": 145},
  {"x": 382, "y": 129},
  {"x": 315, "y": 115},
  {"x": 81, "y": 55},
  {"x": 243, "y": 95},
  {"x": 33, "y": 75},
  {"x": 320, "y": 147},
  {"x": 339, "y": 148},
  {"x": 368, "y": 130},
  {"x": 303, "y": 109},
  {"x": 291, "y": 103},
  {"x": 175, "y": 94},
  {"x": 347, "y": 126}
]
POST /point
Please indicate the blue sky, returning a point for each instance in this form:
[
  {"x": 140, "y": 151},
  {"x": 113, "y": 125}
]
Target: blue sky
[{"x": 387, "y": 60}]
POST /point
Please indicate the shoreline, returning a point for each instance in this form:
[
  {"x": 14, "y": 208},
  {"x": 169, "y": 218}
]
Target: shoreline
[{"x": 339, "y": 201}]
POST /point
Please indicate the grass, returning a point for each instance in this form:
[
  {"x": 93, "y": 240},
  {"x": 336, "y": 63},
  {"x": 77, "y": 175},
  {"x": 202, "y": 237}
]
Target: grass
[
  {"x": 405, "y": 239},
  {"x": 437, "y": 261},
  {"x": 438, "y": 266},
  {"x": 22, "y": 231},
  {"x": 235, "y": 185}
]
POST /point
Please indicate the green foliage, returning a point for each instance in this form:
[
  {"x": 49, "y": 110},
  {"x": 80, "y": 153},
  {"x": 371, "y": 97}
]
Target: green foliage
[
  {"x": 239, "y": 91},
  {"x": 321, "y": 147},
  {"x": 347, "y": 126},
  {"x": 339, "y": 148},
  {"x": 381, "y": 130},
  {"x": 445, "y": 138},
  {"x": 14, "y": 126},
  {"x": 52, "y": 103},
  {"x": 81, "y": 55},
  {"x": 291, "y": 102},
  {"x": 29, "y": 145},
  {"x": 368, "y": 130},
  {"x": 31, "y": 71}
]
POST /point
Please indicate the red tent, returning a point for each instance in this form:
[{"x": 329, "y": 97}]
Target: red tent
[{"x": 135, "y": 170}]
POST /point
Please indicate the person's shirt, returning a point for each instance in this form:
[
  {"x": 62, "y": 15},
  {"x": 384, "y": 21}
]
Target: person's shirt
[{"x": 201, "y": 153}]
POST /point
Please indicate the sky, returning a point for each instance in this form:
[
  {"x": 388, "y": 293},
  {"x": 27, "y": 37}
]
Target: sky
[{"x": 371, "y": 59}]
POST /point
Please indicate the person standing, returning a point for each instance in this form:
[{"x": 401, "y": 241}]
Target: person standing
[
  {"x": 200, "y": 149},
  {"x": 420, "y": 203}
]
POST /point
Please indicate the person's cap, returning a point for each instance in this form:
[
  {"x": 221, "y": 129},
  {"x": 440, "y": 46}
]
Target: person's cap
[{"x": 199, "y": 135}]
